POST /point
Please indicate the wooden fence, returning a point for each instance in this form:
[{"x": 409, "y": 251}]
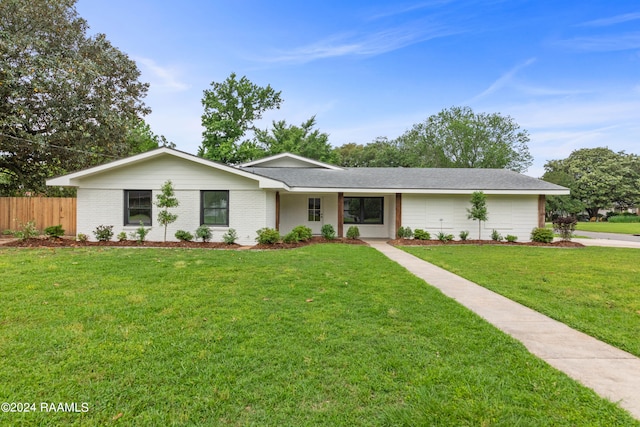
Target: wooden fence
[{"x": 45, "y": 211}]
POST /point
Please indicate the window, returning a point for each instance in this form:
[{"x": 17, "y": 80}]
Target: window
[
  {"x": 137, "y": 207},
  {"x": 363, "y": 210},
  {"x": 214, "y": 207},
  {"x": 314, "y": 209}
]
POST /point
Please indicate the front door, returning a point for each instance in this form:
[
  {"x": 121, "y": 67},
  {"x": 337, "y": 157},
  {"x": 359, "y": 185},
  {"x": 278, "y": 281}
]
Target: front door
[{"x": 314, "y": 214}]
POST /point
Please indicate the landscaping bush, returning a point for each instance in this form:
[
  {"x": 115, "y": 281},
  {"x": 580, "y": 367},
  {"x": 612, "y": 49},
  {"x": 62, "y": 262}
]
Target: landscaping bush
[
  {"x": 511, "y": 238},
  {"x": 564, "y": 226},
  {"x": 203, "y": 232},
  {"x": 328, "y": 232},
  {"x": 444, "y": 237},
  {"x": 268, "y": 236},
  {"x": 141, "y": 233},
  {"x": 542, "y": 235},
  {"x": 26, "y": 231},
  {"x": 629, "y": 218},
  {"x": 420, "y": 234},
  {"x": 496, "y": 236},
  {"x": 81, "y": 237},
  {"x": 54, "y": 232},
  {"x": 291, "y": 237},
  {"x": 405, "y": 233},
  {"x": 184, "y": 236},
  {"x": 230, "y": 236},
  {"x": 464, "y": 235},
  {"x": 304, "y": 233},
  {"x": 103, "y": 233},
  {"x": 353, "y": 232},
  {"x": 122, "y": 236}
]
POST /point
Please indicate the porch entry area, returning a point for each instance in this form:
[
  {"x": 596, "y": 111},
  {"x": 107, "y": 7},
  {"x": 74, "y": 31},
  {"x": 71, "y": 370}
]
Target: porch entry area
[{"x": 375, "y": 215}]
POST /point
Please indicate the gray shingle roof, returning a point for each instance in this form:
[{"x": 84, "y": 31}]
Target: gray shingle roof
[{"x": 406, "y": 178}]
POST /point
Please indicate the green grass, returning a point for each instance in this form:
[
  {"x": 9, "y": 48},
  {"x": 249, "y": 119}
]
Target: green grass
[
  {"x": 593, "y": 289},
  {"x": 323, "y": 335},
  {"x": 609, "y": 227}
]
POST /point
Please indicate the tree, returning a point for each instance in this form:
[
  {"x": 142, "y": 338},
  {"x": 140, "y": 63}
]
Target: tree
[
  {"x": 66, "y": 99},
  {"x": 478, "y": 209},
  {"x": 381, "y": 152},
  {"x": 230, "y": 110},
  {"x": 459, "y": 138},
  {"x": 140, "y": 138},
  {"x": 598, "y": 178},
  {"x": 302, "y": 140},
  {"x": 165, "y": 200}
]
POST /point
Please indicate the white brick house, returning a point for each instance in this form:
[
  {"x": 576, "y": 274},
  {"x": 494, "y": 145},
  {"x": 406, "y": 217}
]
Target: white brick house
[{"x": 286, "y": 190}]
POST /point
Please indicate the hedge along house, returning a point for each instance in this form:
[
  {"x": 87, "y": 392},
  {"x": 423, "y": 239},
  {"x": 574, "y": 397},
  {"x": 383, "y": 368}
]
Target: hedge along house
[{"x": 287, "y": 190}]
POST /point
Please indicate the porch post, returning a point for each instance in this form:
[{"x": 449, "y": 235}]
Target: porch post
[
  {"x": 398, "y": 214},
  {"x": 541, "y": 210},
  {"x": 278, "y": 210},
  {"x": 340, "y": 214}
]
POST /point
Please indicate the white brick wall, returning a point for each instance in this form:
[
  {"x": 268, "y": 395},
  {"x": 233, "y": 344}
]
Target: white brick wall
[{"x": 516, "y": 215}]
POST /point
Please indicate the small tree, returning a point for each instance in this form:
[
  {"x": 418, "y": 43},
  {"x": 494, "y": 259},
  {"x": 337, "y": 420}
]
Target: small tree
[
  {"x": 478, "y": 209},
  {"x": 165, "y": 200}
]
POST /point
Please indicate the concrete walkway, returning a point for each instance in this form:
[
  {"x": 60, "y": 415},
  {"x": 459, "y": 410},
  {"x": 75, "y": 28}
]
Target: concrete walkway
[{"x": 610, "y": 372}]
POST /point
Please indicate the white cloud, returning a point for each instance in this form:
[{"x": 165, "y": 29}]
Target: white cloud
[
  {"x": 164, "y": 78},
  {"x": 502, "y": 81},
  {"x": 610, "y": 43},
  {"x": 612, "y": 20},
  {"x": 370, "y": 44}
]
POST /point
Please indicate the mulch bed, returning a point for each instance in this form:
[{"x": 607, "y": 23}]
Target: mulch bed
[
  {"x": 415, "y": 242},
  {"x": 69, "y": 242}
]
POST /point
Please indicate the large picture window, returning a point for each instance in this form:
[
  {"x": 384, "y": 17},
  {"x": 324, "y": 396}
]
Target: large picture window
[
  {"x": 214, "y": 207},
  {"x": 363, "y": 210},
  {"x": 137, "y": 207}
]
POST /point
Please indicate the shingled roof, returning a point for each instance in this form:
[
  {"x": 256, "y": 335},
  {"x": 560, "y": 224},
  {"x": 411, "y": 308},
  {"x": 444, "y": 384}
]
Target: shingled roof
[{"x": 434, "y": 179}]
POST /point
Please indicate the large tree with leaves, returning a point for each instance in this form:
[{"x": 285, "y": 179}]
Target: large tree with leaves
[
  {"x": 460, "y": 138},
  {"x": 231, "y": 109},
  {"x": 598, "y": 178},
  {"x": 67, "y": 99},
  {"x": 303, "y": 140}
]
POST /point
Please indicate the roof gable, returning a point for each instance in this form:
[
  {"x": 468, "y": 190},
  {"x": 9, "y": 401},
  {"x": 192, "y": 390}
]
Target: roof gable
[
  {"x": 289, "y": 160},
  {"x": 72, "y": 179}
]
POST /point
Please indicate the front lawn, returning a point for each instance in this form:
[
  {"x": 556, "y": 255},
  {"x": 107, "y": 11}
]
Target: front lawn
[
  {"x": 323, "y": 335},
  {"x": 610, "y": 227},
  {"x": 594, "y": 290}
]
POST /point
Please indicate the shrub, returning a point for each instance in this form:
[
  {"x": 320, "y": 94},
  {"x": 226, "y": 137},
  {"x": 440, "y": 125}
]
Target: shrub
[
  {"x": 542, "y": 235},
  {"x": 81, "y": 237},
  {"x": 496, "y": 236},
  {"x": 230, "y": 236},
  {"x": 268, "y": 236},
  {"x": 444, "y": 237},
  {"x": 304, "y": 233},
  {"x": 405, "y": 233},
  {"x": 420, "y": 234},
  {"x": 26, "y": 231},
  {"x": 184, "y": 236},
  {"x": 103, "y": 233},
  {"x": 291, "y": 237},
  {"x": 122, "y": 236},
  {"x": 328, "y": 232},
  {"x": 511, "y": 238},
  {"x": 55, "y": 231},
  {"x": 140, "y": 234},
  {"x": 564, "y": 226},
  {"x": 625, "y": 218},
  {"x": 353, "y": 232},
  {"x": 464, "y": 235},
  {"x": 203, "y": 232}
]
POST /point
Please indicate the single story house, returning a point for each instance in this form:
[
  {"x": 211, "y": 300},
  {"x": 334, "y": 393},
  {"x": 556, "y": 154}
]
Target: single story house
[{"x": 287, "y": 190}]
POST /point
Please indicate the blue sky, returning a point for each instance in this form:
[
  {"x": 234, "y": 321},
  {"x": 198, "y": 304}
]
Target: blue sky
[{"x": 567, "y": 71}]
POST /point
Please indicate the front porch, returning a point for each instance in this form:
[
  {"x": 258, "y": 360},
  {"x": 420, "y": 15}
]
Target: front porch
[{"x": 375, "y": 215}]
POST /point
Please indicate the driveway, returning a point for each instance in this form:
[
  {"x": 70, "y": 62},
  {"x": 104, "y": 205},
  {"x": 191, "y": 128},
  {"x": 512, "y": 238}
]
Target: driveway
[{"x": 608, "y": 239}]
